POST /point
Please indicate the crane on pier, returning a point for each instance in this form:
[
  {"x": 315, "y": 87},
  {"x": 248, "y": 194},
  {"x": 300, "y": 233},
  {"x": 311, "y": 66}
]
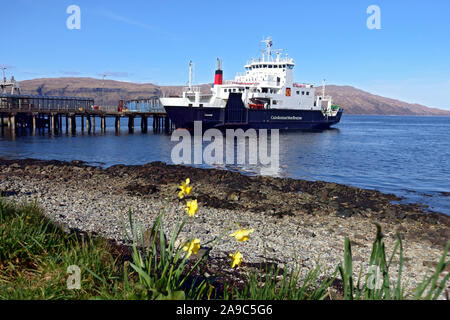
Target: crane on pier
[{"x": 5, "y": 84}]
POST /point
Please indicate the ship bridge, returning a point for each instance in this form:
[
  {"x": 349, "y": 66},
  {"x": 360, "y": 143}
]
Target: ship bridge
[{"x": 269, "y": 71}]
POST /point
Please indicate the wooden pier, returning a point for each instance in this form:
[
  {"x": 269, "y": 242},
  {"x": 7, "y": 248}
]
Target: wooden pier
[{"x": 44, "y": 112}]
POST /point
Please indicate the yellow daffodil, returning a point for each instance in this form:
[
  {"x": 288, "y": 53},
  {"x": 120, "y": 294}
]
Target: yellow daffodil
[
  {"x": 191, "y": 208},
  {"x": 192, "y": 247},
  {"x": 242, "y": 234},
  {"x": 236, "y": 259},
  {"x": 184, "y": 189}
]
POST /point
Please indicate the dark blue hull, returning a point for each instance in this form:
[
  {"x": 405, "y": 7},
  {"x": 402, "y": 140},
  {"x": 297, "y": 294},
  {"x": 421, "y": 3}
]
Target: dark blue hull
[{"x": 236, "y": 115}]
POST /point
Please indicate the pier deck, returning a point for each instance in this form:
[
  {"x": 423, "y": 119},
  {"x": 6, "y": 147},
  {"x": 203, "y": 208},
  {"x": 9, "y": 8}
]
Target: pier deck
[{"x": 36, "y": 112}]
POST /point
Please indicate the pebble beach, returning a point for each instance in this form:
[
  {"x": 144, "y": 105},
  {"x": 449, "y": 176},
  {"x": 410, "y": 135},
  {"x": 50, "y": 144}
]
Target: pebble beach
[{"x": 296, "y": 222}]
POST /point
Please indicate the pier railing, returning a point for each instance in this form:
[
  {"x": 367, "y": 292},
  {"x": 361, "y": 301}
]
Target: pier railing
[
  {"x": 36, "y": 112},
  {"x": 43, "y": 103},
  {"x": 152, "y": 105},
  {"x": 31, "y": 103}
]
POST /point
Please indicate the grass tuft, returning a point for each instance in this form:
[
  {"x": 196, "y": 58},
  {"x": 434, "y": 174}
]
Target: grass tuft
[{"x": 35, "y": 255}]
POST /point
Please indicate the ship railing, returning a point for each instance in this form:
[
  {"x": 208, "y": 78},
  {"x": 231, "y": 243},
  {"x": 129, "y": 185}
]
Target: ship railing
[
  {"x": 280, "y": 60},
  {"x": 259, "y": 95},
  {"x": 325, "y": 98},
  {"x": 302, "y": 85},
  {"x": 241, "y": 83},
  {"x": 191, "y": 89}
]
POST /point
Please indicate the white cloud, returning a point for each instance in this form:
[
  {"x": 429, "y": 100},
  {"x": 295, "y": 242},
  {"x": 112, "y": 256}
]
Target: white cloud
[
  {"x": 70, "y": 73},
  {"x": 123, "y": 19},
  {"x": 126, "y": 20},
  {"x": 119, "y": 74}
]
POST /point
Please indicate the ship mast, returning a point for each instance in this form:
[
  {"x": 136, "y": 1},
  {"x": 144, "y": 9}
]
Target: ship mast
[
  {"x": 323, "y": 89},
  {"x": 268, "y": 43},
  {"x": 3, "y": 70},
  {"x": 190, "y": 75}
]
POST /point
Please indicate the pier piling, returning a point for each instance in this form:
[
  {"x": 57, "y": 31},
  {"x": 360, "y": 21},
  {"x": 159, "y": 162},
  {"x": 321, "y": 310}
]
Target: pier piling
[
  {"x": 88, "y": 123},
  {"x": 144, "y": 124},
  {"x": 12, "y": 122},
  {"x": 45, "y": 112},
  {"x": 131, "y": 123},
  {"x": 33, "y": 119},
  {"x": 70, "y": 123},
  {"x": 52, "y": 123},
  {"x": 74, "y": 124},
  {"x": 103, "y": 123},
  {"x": 117, "y": 124}
]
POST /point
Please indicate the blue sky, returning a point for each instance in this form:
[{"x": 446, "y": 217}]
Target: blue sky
[{"x": 153, "y": 41}]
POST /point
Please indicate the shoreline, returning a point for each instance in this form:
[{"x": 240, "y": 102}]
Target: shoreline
[{"x": 295, "y": 221}]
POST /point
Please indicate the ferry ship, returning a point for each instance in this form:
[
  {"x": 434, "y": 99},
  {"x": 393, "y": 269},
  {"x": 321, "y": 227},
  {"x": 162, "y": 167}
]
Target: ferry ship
[{"x": 264, "y": 97}]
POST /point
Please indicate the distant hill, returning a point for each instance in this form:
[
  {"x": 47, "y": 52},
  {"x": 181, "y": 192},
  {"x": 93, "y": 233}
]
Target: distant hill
[
  {"x": 357, "y": 101},
  {"x": 109, "y": 93},
  {"x": 353, "y": 100}
]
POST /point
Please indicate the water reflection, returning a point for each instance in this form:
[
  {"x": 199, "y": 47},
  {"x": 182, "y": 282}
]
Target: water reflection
[{"x": 391, "y": 154}]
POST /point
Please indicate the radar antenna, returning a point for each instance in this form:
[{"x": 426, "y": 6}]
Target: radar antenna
[
  {"x": 278, "y": 53},
  {"x": 268, "y": 43}
]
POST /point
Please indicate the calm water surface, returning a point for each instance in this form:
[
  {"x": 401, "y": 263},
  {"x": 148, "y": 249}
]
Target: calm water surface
[{"x": 407, "y": 156}]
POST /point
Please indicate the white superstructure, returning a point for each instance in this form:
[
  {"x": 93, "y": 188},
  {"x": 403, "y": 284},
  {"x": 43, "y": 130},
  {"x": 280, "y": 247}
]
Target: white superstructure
[
  {"x": 267, "y": 83},
  {"x": 8, "y": 87}
]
